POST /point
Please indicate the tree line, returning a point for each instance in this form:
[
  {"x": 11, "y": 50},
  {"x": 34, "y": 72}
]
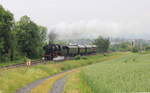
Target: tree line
[
  {"x": 21, "y": 38},
  {"x": 25, "y": 38}
]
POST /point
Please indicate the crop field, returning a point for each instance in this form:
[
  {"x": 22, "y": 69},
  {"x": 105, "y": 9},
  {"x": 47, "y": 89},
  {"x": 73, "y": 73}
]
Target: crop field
[
  {"x": 13, "y": 79},
  {"x": 130, "y": 73}
]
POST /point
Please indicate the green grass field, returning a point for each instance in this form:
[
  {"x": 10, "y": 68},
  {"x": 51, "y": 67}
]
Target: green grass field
[
  {"x": 11, "y": 63},
  {"x": 130, "y": 73},
  {"x": 13, "y": 79}
]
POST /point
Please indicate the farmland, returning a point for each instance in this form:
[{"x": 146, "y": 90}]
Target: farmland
[
  {"x": 113, "y": 72},
  {"x": 13, "y": 79},
  {"x": 129, "y": 73}
]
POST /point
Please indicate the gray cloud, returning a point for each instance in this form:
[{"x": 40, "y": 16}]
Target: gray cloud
[{"x": 93, "y": 28}]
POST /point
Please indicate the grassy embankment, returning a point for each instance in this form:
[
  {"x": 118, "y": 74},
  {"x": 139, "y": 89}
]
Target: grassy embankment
[
  {"x": 18, "y": 61},
  {"x": 130, "y": 73},
  {"x": 11, "y": 62},
  {"x": 13, "y": 79}
]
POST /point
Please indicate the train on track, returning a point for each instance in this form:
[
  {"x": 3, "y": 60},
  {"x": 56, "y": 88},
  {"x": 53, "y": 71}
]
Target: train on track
[{"x": 55, "y": 50}]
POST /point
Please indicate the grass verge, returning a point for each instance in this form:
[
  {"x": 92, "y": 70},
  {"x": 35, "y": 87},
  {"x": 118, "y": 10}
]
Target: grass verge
[
  {"x": 13, "y": 79},
  {"x": 11, "y": 62}
]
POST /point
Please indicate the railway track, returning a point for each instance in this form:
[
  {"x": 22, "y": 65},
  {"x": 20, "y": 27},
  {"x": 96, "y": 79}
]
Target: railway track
[{"x": 34, "y": 62}]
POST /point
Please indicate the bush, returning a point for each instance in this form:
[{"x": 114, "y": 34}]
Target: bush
[
  {"x": 4, "y": 58},
  {"x": 135, "y": 50},
  {"x": 78, "y": 57},
  {"x": 25, "y": 59},
  {"x": 84, "y": 57},
  {"x": 147, "y": 48}
]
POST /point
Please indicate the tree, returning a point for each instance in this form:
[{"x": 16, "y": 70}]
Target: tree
[
  {"x": 30, "y": 37},
  {"x": 6, "y": 35},
  {"x": 52, "y": 36},
  {"x": 123, "y": 46},
  {"x": 24, "y": 37},
  {"x": 102, "y": 44},
  {"x": 43, "y": 33},
  {"x": 43, "y": 38}
]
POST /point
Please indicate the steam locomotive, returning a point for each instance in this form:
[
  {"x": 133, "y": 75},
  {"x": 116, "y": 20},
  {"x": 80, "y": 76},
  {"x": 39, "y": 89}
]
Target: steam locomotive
[{"x": 54, "y": 50}]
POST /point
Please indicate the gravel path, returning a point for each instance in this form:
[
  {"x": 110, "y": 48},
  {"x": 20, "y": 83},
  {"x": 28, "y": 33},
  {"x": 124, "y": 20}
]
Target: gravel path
[
  {"x": 58, "y": 86},
  {"x": 30, "y": 86},
  {"x": 27, "y": 88}
]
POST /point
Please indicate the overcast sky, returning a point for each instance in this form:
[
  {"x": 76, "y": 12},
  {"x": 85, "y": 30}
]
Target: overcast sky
[{"x": 87, "y": 18}]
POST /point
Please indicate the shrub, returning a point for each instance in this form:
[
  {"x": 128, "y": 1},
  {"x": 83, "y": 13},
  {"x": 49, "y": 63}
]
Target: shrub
[
  {"x": 135, "y": 50},
  {"x": 4, "y": 58},
  {"x": 25, "y": 59},
  {"x": 147, "y": 48},
  {"x": 84, "y": 57},
  {"x": 78, "y": 57}
]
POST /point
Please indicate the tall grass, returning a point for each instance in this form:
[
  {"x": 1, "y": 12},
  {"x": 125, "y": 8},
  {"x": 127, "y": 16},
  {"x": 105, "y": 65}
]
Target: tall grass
[
  {"x": 13, "y": 79},
  {"x": 130, "y": 73},
  {"x": 75, "y": 84},
  {"x": 21, "y": 60}
]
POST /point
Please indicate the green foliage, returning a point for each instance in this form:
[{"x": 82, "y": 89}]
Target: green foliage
[
  {"x": 78, "y": 57},
  {"x": 31, "y": 37},
  {"x": 125, "y": 46},
  {"x": 102, "y": 44},
  {"x": 23, "y": 38},
  {"x": 25, "y": 59},
  {"x": 6, "y": 36},
  {"x": 84, "y": 57},
  {"x": 147, "y": 48},
  {"x": 17, "y": 61},
  {"x": 135, "y": 49}
]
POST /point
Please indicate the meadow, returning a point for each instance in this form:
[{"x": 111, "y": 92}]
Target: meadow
[
  {"x": 8, "y": 63},
  {"x": 13, "y": 79},
  {"x": 130, "y": 73}
]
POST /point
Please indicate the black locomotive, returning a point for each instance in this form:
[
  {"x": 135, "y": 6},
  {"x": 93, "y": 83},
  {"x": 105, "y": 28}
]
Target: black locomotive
[{"x": 54, "y": 50}]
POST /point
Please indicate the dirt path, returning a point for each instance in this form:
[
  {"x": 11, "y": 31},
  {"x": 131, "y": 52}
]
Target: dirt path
[
  {"x": 58, "y": 86},
  {"x": 27, "y": 88},
  {"x": 30, "y": 86}
]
